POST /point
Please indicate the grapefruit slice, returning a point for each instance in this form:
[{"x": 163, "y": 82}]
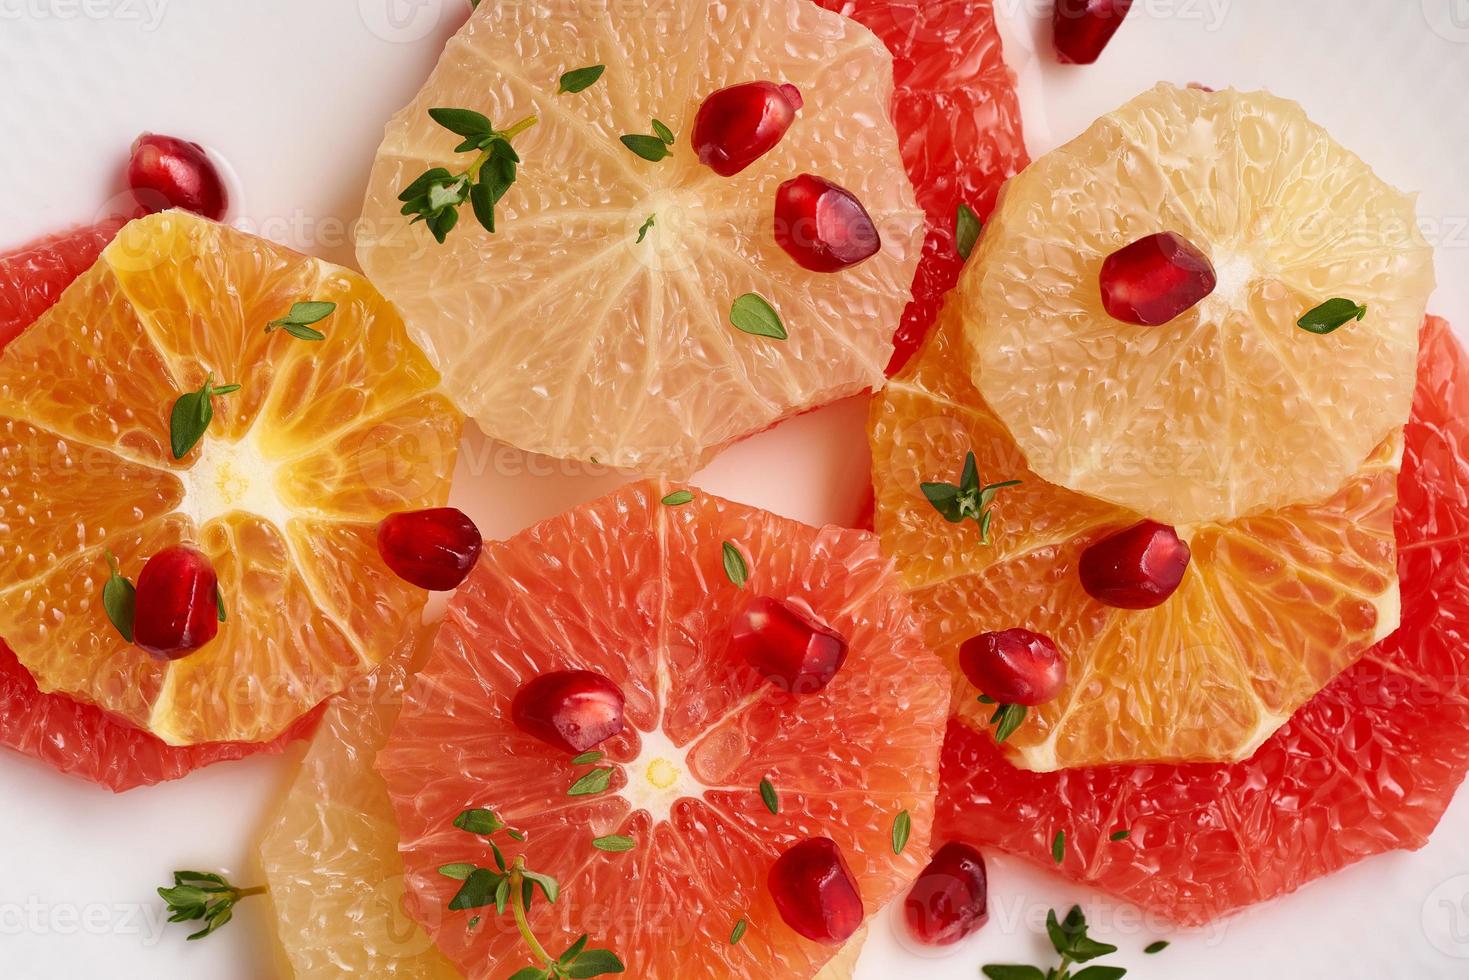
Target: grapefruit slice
[
  {"x": 331, "y": 856},
  {"x": 284, "y": 492},
  {"x": 32, "y": 277},
  {"x": 637, "y": 590},
  {"x": 1368, "y": 766},
  {"x": 1230, "y": 408},
  {"x": 1208, "y": 675},
  {"x": 958, "y": 121},
  {"x": 564, "y": 335}
]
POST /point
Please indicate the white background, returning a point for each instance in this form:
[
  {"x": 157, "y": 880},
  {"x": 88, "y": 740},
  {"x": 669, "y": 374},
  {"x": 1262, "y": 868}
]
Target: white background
[{"x": 294, "y": 95}]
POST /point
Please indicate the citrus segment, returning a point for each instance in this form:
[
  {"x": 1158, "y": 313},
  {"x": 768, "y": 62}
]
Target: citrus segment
[
  {"x": 33, "y": 276},
  {"x": 638, "y": 591},
  {"x": 958, "y": 121},
  {"x": 85, "y": 398},
  {"x": 1369, "y": 765},
  {"x": 1230, "y": 408},
  {"x": 1207, "y": 675},
  {"x": 632, "y": 358}
]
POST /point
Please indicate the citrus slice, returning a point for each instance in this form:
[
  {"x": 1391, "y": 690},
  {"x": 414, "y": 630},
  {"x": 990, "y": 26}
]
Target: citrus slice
[
  {"x": 561, "y": 333},
  {"x": 32, "y": 277},
  {"x": 1230, "y": 408},
  {"x": 641, "y": 592},
  {"x": 1367, "y": 766},
  {"x": 331, "y": 856},
  {"x": 958, "y": 121},
  {"x": 283, "y": 494},
  {"x": 1208, "y": 675}
]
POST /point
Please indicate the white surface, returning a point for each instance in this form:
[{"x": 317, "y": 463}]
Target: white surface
[{"x": 294, "y": 95}]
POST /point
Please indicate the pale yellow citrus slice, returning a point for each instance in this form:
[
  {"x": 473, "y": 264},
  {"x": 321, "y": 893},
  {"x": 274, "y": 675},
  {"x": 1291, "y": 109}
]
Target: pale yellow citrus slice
[
  {"x": 561, "y": 333},
  {"x": 1230, "y": 408},
  {"x": 283, "y": 493}
]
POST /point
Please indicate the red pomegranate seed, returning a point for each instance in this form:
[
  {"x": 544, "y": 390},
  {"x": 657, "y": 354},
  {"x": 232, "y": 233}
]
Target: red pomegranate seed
[
  {"x": 433, "y": 549},
  {"x": 815, "y": 893},
  {"x": 1083, "y": 28},
  {"x": 1014, "y": 666},
  {"x": 177, "y": 609},
  {"x": 823, "y": 226},
  {"x": 167, "y": 172},
  {"x": 1155, "y": 279},
  {"x": 1137, "y": 568},
  {"x": 569, "y": 709},
  {"x": 788, "y": 647},
  {"x": 950, "y": 899},
  {"x": 738, "y": 125}
]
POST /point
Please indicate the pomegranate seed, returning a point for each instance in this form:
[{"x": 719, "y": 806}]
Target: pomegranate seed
[
  {"x": 433, "y": 549},
  {"x": 738, "y": 125},
  {"x": 815, "y": 892},
  {"x": 823, "y": 226},
  {"x": 950, "y": 899},
  {"x": 1155, "y": 279},
  {"x": 167, "y": 172},
  {"x": 1083, "y": 28},
  {"x": 569, "y": 709},
  {"x": 788, "y": 647},
  {"x": 1137, "y": 568},
  {"x": 1014, "y": 666},
  {"x": 177, "y": 609}
]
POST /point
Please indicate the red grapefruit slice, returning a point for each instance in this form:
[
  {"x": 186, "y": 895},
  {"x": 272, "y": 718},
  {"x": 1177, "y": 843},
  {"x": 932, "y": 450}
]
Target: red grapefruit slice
[
  {"x": 637, "y": 590},
  {"x": 1368, "y": 766},
  {"x": 958, "y": 121},
  {"x": 33, "y": 276}
]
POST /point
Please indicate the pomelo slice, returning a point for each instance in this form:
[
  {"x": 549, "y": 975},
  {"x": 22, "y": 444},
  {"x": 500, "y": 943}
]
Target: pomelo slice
[
  {"x": 1208, "y": 675},
  {"x": 1368, "y": 766},
  {"x": 32, "y": 277},
  {"x": 1231, "y": 408},
  {"x": 331, "y": 856},
  {"x": 284, "y": 493},
  {"x": 562, "y": 334},
  {"x": 636, "y": 589},
  {"x": 958, "y": 121}
]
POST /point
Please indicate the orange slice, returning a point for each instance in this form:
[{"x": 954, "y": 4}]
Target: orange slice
[
  {"x": 1272, "y": 607},
  {"x": 564, "y": 335},
  {"x": 283, "y": 493},
  {"x": 1230, "y": 408},
  {"x": 637, "y": 590}
]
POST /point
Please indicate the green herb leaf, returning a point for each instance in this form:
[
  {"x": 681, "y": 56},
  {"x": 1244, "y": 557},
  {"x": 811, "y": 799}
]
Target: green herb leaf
[
  {"x": 650, "y": 148},
  {"x": 519, "y": 835},
  {"x": 678, "y": 498},
  {"x": 735, "y": 567},
  {"x": 580, "y": 79},
  {"x": 458, "y": 872},
  {"x": 767, "y": 794},
  {"x": 1120, "y": 835},
  {"x": 573, "y": 950},
  {"x": 966, "y": 230},
  {"x": 297, "y": 323},
  {"x": 196, "y": 896},
  {"x": 1060, "y": 940},
  {"x": 740, "y": 928},
  {"x": 593, "y": 782},
  {"x": 1330, "y": 315},
  {"x": 530, "y": 973},
  {"x": 477, "y": 891},
  {"x": 1156, "y": 947},
  {"x": 462, "y": 122},
  {"x": 550, "y": 886},
  {"x": 662, "y": 131},
  {"x": 1084, "y": 948},
  {"x": 219, "y": 605},
  {"x": 482, "y": 200},
  {"x": 1009, "y": 717},
  {"x": 1058, "y": 847},
  {"x": 968, "y": 499},
  {"x": 479, "y": 821},
  {"x": 587, "y": 758},
  {"x": 643, "y": 231},
  {"x": 191, "y": 415},
  {"x": 119, "y": 600},
  {"x": 751, "y": 314},
  {"x": 1099, "y": 973},
  {"x": 902, "y": 828},
  {"x": 614, "y": 844},
  {"x": 595, "y": 963},
  {"x": 1012, "y": 973}
]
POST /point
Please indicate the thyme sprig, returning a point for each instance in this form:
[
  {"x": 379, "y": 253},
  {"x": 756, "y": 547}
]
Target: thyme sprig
[
  {"x": 968, "y": 499},
  {"x": 437, "y": 195},
  {"x": 197, "y": 895}
]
